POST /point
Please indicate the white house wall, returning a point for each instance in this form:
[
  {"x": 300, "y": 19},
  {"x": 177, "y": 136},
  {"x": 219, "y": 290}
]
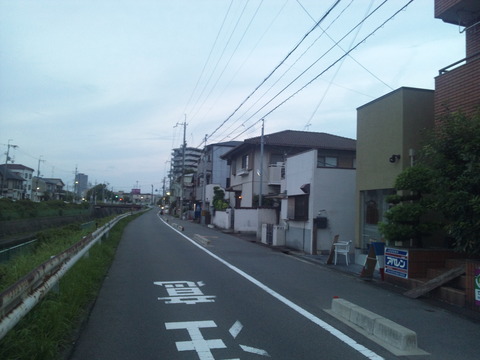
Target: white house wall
[
  {"x": 298, "y": 171},
  {"x": 332, "y": 194},
  {"x": 251, "y": 220}
]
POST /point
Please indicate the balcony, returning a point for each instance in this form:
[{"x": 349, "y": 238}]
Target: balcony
[
  {"x": 275, "y": 173},
  {"x": 457, "y": 12},
  {"x": 456, "y": 87}
]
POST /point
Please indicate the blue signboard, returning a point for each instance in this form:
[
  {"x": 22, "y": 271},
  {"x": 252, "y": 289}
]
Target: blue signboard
[{"x": 396, "y": 262}]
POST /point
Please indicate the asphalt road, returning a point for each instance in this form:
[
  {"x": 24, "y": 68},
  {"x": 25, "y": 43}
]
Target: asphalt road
[{"x": 167, "y": 297}]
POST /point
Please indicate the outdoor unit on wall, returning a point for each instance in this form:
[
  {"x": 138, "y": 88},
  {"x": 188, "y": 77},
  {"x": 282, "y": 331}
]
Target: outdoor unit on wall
[{"x": 321, "y": 222}]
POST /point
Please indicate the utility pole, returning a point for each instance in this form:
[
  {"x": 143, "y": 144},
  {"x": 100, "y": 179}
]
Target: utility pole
[
  {"x": 163, "y": 191},
  {"x": 7, "y": 159},
  {"x": 75, "y": 186},
  {"x": 261, "y": 166},
  {"x": 38, "y": 176},
  {"x": 183, "y": 163},
  {"x": 204, "y": 190}
]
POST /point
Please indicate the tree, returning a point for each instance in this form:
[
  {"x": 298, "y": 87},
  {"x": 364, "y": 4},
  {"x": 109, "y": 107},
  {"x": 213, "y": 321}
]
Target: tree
[
  {"x": 446, "y": 179},
  {"x": 100, "y": 192},
  {"x": 407, "y": 219},
  {"x": 453, "y": 152},
  {"x": 219, "y": 202}
]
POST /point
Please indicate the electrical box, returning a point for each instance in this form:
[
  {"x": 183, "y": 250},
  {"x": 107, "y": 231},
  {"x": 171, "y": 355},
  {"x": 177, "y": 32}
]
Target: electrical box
[{"x": 321, "y": 222}]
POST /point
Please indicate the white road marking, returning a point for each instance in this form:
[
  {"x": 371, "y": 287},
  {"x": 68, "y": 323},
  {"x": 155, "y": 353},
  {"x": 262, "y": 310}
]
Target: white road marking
[
  {"x": 198, "y": 343},
  {"x": 184, "y": 292},
  {"x": 235, "y": 329},
  {"x": 253, "y": 350},
  {"x": 327, "y": 327}
]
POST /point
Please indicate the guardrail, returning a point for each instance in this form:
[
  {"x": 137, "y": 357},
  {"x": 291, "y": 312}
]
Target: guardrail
[{"x": 21, "y": 297}]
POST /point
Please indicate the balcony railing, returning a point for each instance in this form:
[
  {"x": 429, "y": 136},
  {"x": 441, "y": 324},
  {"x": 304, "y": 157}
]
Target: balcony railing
[{"x": 458, "y": 63}]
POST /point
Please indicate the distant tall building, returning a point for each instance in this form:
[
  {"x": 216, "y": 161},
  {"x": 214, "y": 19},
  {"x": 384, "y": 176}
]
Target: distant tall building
[
  {"x": 188, "y": 168},
  {"x": 191, "y": 160},
  {"x": 81, "y": 184}
]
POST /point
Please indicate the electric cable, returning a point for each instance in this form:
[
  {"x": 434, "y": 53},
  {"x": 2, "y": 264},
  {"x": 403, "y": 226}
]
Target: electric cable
[
  {"x": 246, "y": 59},
  {"x": 280, "y": 64},
  {"x": 317, "y": 60},
  {"x": 291, "y": 66},
  {"x": 231, "y": 56},
  {"x": 209, "y": 56},
  {"x": 339, "y": 59},
  {"x": 335, "y": 74},
  {"x": 218, "y": 62},
  {"x": 287, "y": 70}
]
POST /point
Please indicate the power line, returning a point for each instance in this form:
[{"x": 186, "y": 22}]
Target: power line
[
  {"x": 209, "y": 55},
  {"x": 231, "y": 56},
  {"x": 219, "y": 59},
  {"x": 249, "y": 55},
  {"x": 339, "y": 59},
  {"x": 336, "y": 72},
  {"x": 275, "y": 69},
  {"x": 315, "y": 62},
  {"x": 291, "y": 66}
]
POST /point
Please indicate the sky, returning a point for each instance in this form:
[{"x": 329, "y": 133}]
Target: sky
[{"x": 105, "y": 87}]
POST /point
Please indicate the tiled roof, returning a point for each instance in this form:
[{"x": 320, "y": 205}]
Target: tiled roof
[
  {"x": 10, "y": 174},
  {"x": 297, "y": 139},
  {"x": 18, "y": 167},
  {"x": 307, "y": 139}
]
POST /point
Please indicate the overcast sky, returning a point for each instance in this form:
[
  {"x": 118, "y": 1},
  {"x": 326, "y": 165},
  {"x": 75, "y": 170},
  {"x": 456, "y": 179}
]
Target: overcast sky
[{"x": 103, "y": 86}]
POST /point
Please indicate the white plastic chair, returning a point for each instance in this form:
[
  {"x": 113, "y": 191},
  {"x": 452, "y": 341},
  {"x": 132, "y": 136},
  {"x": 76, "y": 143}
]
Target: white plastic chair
[{"x": 342, "y": 248}]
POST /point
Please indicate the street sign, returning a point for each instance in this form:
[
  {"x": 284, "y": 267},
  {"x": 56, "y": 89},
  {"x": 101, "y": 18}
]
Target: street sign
[
  {"x": 477, "y": 287},
  {"x": 396, "y": 262}
]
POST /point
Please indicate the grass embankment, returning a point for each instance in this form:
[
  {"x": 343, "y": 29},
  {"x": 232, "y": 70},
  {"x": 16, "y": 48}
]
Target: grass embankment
[
  {"x": 26, "y": 209},
  {"x": 47, "y": 331}
]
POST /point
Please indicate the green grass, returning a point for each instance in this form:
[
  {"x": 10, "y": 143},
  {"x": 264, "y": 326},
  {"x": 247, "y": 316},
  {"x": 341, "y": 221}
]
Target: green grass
[
  {"x": 26, "y": 209},
  {"x": 46, "y": 333},
  {"x": 49, "y": 242}
]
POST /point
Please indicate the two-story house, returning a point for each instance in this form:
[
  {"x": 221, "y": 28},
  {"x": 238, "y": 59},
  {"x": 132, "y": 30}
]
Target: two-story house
[
  {"x": 26, "y": 173},
  {"x": 12, "y": 183},
  {"x": 54, "y": 188},
  {"x": 253, "y": 178},
  {"x": 212, "y": 171},
  {"x": 248, "y": 179}
]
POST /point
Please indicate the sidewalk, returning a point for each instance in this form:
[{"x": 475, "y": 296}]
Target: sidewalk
[{"x": 351, "y": 268}]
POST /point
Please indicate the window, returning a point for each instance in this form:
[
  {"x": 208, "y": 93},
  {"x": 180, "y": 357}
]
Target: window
[
  {"x": 245, "y": 161},
  {"x": 298, "y": 207},
  {"x": 327, "y": 161},
  {"x": 276, "y": 158},
  {"x": 371, "y": 214}
]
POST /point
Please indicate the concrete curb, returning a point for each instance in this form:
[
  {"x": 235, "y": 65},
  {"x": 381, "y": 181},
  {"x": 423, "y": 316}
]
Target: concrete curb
[
  {"x": 396, "y": 338},
  {"x": 201, "y": 239},
  {"x": 178, "y": 227}
]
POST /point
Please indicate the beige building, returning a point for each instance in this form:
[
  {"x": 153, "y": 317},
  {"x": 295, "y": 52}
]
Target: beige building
[{"x": 389, "y": 133}]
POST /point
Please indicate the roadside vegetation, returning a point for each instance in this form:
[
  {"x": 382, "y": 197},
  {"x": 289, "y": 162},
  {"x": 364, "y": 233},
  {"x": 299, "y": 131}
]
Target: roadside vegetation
[
  {"x": 442, "y": 190},
  {"x": 27, "y": 209},
  {"x": 47, "y": 332}
]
